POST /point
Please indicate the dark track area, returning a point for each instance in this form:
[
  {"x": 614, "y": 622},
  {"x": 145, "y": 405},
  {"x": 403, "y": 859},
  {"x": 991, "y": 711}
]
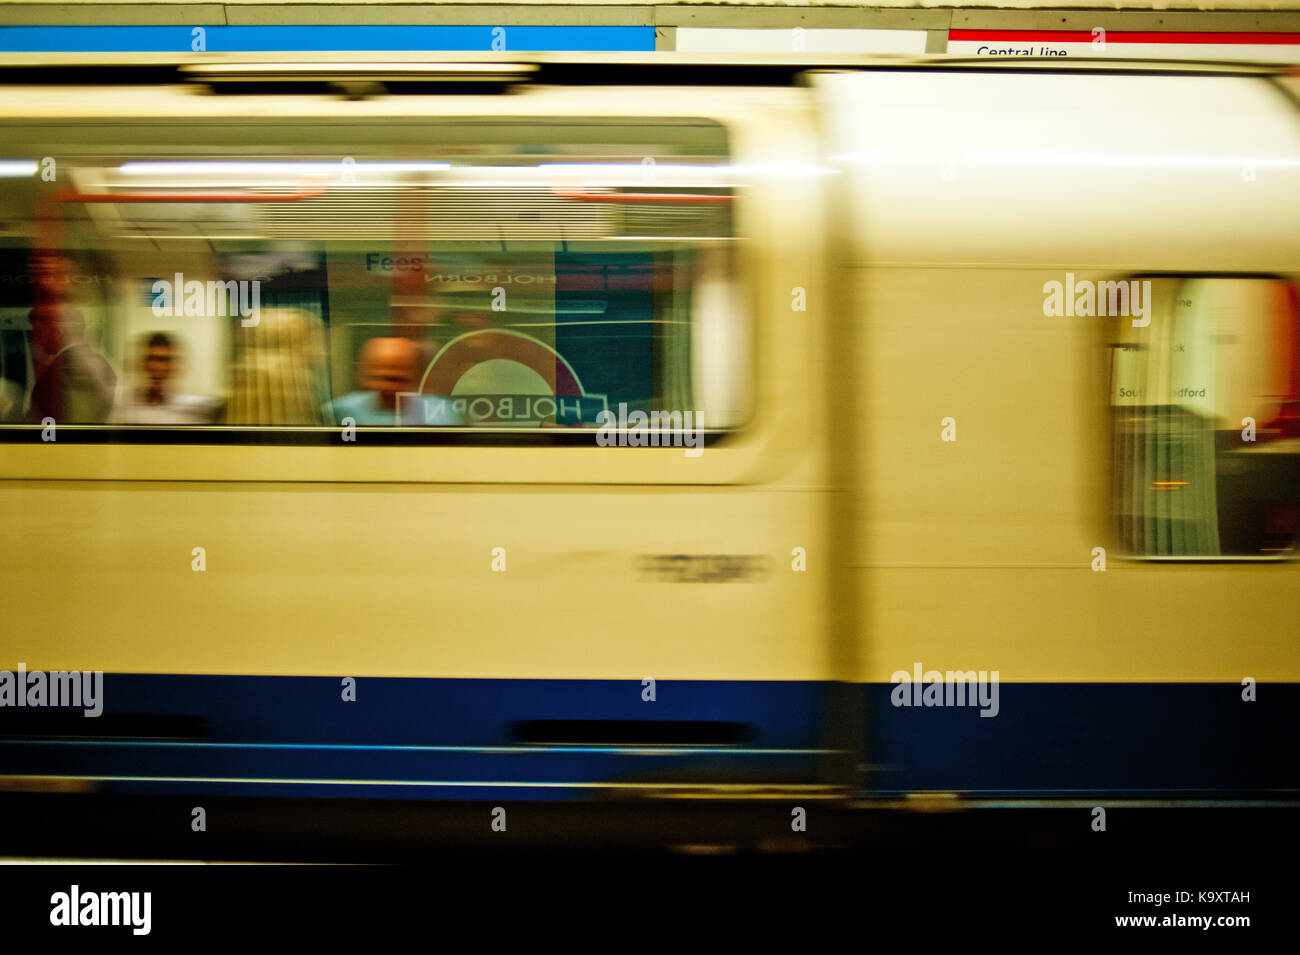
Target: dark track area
[
  {"x": 1005, "y": 873},
  {"x": 383, "y": 831}
]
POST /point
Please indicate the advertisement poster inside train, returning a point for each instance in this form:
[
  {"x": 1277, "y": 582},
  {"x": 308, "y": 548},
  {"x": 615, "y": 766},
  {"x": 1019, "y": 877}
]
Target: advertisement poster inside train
[{"x": 535, "y": 338}]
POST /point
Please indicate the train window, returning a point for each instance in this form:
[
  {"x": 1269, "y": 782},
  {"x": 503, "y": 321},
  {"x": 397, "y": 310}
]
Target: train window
[
  {"x": 1205, "y": 402},
  {"x": 435, "y": 280}
]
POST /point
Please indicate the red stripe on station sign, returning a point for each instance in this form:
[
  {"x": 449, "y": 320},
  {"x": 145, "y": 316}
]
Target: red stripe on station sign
[{"x": 1123, "y": 36}]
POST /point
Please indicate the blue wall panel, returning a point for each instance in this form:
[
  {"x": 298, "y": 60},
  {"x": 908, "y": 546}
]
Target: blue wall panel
[{"x": 284, "y": 39}]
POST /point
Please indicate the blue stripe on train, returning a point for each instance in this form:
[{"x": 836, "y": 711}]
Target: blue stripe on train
[
  {"x": 453, "y": 738},
  {"x": 420, "y": 738},
  {"x": 1061, "y": 738}
]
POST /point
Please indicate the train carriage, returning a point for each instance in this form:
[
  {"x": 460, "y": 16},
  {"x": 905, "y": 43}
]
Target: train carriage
[{"x": 564, "y": 431}]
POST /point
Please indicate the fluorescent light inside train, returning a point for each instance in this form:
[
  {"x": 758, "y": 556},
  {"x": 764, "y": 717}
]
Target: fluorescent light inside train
[
  {"x": 17, "y": 168},
  {"x": 622, "y": 172},
  {"x": 623, "y": 169},
  {"x": 147, "y": 168}
]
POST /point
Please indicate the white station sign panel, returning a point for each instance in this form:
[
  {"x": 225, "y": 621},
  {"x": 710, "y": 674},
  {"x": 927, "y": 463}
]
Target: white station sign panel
[{"x": 798, "y": 40}]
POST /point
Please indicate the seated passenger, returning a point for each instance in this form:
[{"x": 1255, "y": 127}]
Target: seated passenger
[
  {"x": 387, "y": 368},
  {"x": 151, "y": 403}
]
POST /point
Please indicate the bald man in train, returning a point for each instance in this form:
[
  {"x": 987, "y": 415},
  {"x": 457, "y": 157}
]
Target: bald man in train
[{"x": 386, "y": 368}]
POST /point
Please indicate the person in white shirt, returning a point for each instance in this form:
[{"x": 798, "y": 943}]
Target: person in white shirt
[{"x": 153, "y": 403}]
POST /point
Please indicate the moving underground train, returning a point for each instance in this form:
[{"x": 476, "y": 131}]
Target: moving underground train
[{"x": 570, "y": 428}]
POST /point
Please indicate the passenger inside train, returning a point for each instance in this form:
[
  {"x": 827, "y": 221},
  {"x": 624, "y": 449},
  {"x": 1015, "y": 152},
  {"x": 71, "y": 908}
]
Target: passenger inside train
[
  {"x": 154, "y": 401},
  {"x": 60, "y": 374},
  {"x": 386, "y": 369}
]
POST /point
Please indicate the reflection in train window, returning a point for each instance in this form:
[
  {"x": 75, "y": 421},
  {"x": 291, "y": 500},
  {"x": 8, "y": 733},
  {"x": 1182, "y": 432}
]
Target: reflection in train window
[
  {"x": 465, "y": 276},
  {"x": 1205, "y": 402}
]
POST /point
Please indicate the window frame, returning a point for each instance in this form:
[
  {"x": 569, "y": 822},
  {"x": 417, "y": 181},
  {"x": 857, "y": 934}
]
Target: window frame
[
  {"x": 1115, "y": 545},
  {"x": 469, "y": 455}
]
